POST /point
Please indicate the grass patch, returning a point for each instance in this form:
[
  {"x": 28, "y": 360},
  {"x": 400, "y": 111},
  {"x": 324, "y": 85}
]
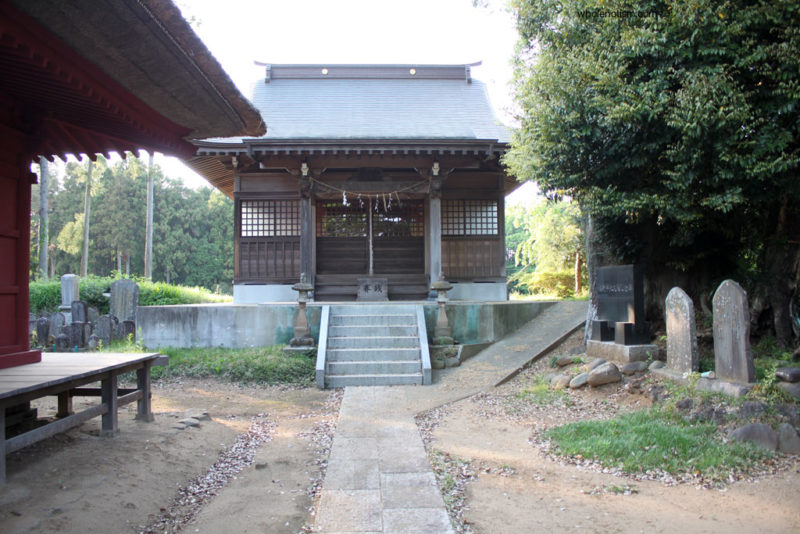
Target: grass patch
[
  {"x": 541, "y": 394},
  {"x": 262, "y": 365},
  {"x": 655, "y": 438}
]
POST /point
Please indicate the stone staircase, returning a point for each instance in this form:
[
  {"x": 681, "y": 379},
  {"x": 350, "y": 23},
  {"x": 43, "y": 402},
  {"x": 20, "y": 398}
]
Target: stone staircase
[{"x": 373, "y": 345}]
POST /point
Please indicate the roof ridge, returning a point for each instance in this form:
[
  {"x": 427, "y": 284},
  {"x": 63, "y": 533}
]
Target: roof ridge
[{"x": 368, "y": 71}]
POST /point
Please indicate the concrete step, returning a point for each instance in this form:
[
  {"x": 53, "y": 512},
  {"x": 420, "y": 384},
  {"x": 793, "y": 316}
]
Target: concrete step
[
  {"x": 340, "y": 381},
  {"x": 373, "y": 309},
  {"x": 372, "y": 331},
  {"x": 352, "y": 355},
  {"x": 377, "y": 342},
  {"x": 374, "y": 367},
  {"x": 395, "y": 319}
]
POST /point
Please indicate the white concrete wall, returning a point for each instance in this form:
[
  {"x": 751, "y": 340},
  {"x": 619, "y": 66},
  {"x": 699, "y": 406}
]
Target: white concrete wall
[
  {"x": 481, "y": 292},
  {"x": 256, "y": 294}
]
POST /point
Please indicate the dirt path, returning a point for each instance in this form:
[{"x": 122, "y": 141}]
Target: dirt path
[{"x": 78, "y": 482}]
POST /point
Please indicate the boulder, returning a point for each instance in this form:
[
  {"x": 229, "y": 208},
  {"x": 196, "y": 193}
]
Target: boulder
[
  {"x": 579, "y": 381},
  {"x": 658, "y": 364},
  {"x": 560, "y": 382},
  {"x": 594, "y": 364},
  {"x": 758, "y": 434},
  {"x": 633, "y": 367},
  {"x": 563, "y": 361},
  {"x": 788, "y": 440},
  {"x": 750, "y": 409},
  {"x": 607, "y": 373},
  {"x": 788, "y": 374},
  {"x": 793, "y": 390}
]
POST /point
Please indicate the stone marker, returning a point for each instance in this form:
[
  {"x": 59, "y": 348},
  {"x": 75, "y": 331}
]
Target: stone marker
[
  {"x": 62, "y": 342},
  {"x": 682, "y": 353},
  {"x": 75, "y": 333},
  {"x": 92, "y": 342},
  {"x": 94, "y": 313},
  {"x": 32, "y": 323},
  {"x": 373, "y": 289},
  {"x": 733, "y": 358},
  {"x": 79, "y": 311},
  {"x": 124, "y": 299},
  {"x": 57, "y": 321},
  {"x": 105, "y": 328},
  {"x": 70, "y": 291},
  {"x": 757, "y": 434},
  {"x": 620, "y": 306},
  {"x": 125, "y": 329},
  {"x": 42, "y": 330},
  {"x": 788, "y": 440}
]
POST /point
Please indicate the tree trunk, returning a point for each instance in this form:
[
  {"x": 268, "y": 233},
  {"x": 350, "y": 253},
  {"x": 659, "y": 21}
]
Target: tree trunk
[
  {"x": 119, "y": 262},
  {"x": 127, "y": 265},
  {"x": 148, "y": 244},
  {"x": 44, "y": 237},
  {"x": 591, "y": 265},
  {"x": 577, "y": 273},
  {"x": 781, "y": 265},
  {"x": 87, "y": 201}
]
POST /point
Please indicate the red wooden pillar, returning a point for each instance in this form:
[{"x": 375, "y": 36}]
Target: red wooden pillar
[{"x": 15, "y": 203}]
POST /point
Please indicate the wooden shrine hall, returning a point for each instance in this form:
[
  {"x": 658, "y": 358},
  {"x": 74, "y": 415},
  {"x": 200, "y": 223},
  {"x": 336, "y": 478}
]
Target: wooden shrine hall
[{"x": 367, "y": 172}]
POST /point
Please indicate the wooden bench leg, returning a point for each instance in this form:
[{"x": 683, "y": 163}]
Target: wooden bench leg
[
  {"x": 144, "y": 412},
  {"x": 108, "y": 394},
  {"x": 2, "y": 445},
  {"x": 64, "y": 405}
]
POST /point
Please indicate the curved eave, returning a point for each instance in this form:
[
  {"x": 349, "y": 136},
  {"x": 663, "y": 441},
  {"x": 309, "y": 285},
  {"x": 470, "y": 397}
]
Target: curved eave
[{"x": 215, "y": 159}]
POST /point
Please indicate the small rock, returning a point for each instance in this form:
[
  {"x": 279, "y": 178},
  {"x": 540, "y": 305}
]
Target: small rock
[
  {"x": 757, "y": 434},
  {"x": 200, "y": 415},
  {"x": 577, "y": 350},
  {"x": 658, "y": 364},
  {"x": 751, "y": 409},
  {"x": 606, "y": 373},
  {"x": 656, "y": 393},
  {"x": 788, "y": 374},
  {"x": 579, "y": 381},
  {"x": 789, "y": 411},
  {"x": 190, "y": 421},
  {"x": 560, "y": 382},
  {"x": 788, "y": 440},
  {"x": 261, "y": 465},
  {"x": 685, "y": 404},
  {"x": 563, "y": 361},
  {"x": 793, "y": 390},
  {"x": 179, "y": 426},
  {"x": 633, "y": 367}
]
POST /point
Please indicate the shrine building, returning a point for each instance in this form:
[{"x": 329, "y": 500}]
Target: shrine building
[{"x": 384, "y": 172}]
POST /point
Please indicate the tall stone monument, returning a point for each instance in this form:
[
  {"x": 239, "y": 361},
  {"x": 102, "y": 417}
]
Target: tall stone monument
[
  {"x": 682, "y": 352},
  {"x": 733, "y": 357},
  {"x": 70, "y": 292},
  {"x": 124, "y": 299}
]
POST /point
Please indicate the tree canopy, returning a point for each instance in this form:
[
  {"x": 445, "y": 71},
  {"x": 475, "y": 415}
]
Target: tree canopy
[{"x": 677, "y": 126}]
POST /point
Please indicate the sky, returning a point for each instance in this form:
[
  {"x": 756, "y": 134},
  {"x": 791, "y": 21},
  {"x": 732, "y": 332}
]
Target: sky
[{"x": 241, "y": 32}]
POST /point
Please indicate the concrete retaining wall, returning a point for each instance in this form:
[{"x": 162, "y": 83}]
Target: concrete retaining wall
[{"x": 258, "y": 325}]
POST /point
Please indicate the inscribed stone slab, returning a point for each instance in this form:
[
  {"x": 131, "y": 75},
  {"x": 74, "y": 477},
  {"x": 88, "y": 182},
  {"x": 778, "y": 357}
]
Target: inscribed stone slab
[
  {"x": 373, "y": 289},
  {"x": 682, "y": 353},
  {"x": 124, "y": 299},
  {"x": 79, "y": 311},
  {"x": 733, "y": 358},
  {"x": 70, "y": 290}
]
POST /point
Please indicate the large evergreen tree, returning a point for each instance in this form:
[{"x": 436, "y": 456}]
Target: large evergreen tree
[{"x": 677, "y": 126}]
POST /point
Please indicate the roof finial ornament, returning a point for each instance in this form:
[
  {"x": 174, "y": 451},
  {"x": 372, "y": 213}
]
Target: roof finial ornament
[
  {"x": 304, "y": 169},
  {"x": 435, "y": 169}
]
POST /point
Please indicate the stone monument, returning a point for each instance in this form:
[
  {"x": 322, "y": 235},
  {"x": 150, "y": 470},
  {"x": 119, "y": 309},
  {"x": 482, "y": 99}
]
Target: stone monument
[
  {"x": 124, "y": 299},
  {"x": 682, "y": 352},
  {"x": 733, "y": 358}
]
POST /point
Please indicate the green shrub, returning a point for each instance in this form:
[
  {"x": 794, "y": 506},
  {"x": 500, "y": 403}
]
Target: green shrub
[{"x": 45, "y": 296}]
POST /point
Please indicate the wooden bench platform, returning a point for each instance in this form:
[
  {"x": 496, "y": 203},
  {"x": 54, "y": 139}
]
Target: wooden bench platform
[{"x": 62, "y": 375}]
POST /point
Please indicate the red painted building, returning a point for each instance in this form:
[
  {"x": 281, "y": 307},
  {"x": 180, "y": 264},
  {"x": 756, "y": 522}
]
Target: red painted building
[{"x": 78, "y": 80}]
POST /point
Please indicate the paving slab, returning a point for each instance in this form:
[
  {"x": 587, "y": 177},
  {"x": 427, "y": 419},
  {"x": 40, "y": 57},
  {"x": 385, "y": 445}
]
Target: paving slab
[{"x": 379, "y": 478}]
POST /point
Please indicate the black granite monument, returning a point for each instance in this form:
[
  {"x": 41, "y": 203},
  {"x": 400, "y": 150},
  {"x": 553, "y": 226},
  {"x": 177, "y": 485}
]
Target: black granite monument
[{"x": 620, "y": 306}]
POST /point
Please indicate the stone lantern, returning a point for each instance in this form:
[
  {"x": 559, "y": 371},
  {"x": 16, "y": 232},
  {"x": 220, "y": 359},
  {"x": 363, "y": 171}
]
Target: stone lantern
[
  {"x": 302, "y": 333},
  {"x": 442, "y": 333}
]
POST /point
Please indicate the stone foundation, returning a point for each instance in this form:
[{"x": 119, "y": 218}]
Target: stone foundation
[{"x": 611, "y": 351}]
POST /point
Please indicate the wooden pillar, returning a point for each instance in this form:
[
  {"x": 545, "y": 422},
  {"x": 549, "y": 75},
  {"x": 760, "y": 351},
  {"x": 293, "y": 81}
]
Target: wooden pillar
[
  {"x": 64, "y": 405},
  {"x": 306, "y": 227},
  {"x": 435, "y": 231},
  {"x": 144, "y": 411},
  {"x": 2, "y": 445},
  {"x": 108, "y": 394}
]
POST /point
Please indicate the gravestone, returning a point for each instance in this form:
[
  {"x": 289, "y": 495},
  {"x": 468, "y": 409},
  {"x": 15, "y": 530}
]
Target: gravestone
[
  {"x": 620, "y": 306},
  {"x": 70, "y": 291},
  {"x": 105, "y": 328},
  {"x": 79, "y": 311},
  {"x": 42, "y": 330},
  {"x": 125, "y": 329},
  {"x": 57, "y": 321},
  {"x": 682, "y": 353},
  {"x": 733, "y": 358},
  {"x": 62, "y": 342},
  {"x": 94, "y": 313},
  {"x": 373, "y": 289},
  {"x": 92, "y": 342},
  {"x": 75, "y": 333},
  {"x": 124, "y": 299},
  {"x": 32, "y": 323}
]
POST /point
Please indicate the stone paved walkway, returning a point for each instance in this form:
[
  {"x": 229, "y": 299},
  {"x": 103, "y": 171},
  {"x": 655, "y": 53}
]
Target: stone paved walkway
[{"x": 379, "y": 479}]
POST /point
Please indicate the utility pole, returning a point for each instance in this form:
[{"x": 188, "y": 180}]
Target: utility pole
[
  {"x": 87, "y": 200},
  {"x": 148, "y": 244},
  {"x": 44, "y": 234}
]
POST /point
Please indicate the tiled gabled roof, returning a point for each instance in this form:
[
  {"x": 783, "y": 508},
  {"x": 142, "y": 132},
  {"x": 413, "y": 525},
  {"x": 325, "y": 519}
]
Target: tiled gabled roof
[{"x": 369, "y": 102}]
